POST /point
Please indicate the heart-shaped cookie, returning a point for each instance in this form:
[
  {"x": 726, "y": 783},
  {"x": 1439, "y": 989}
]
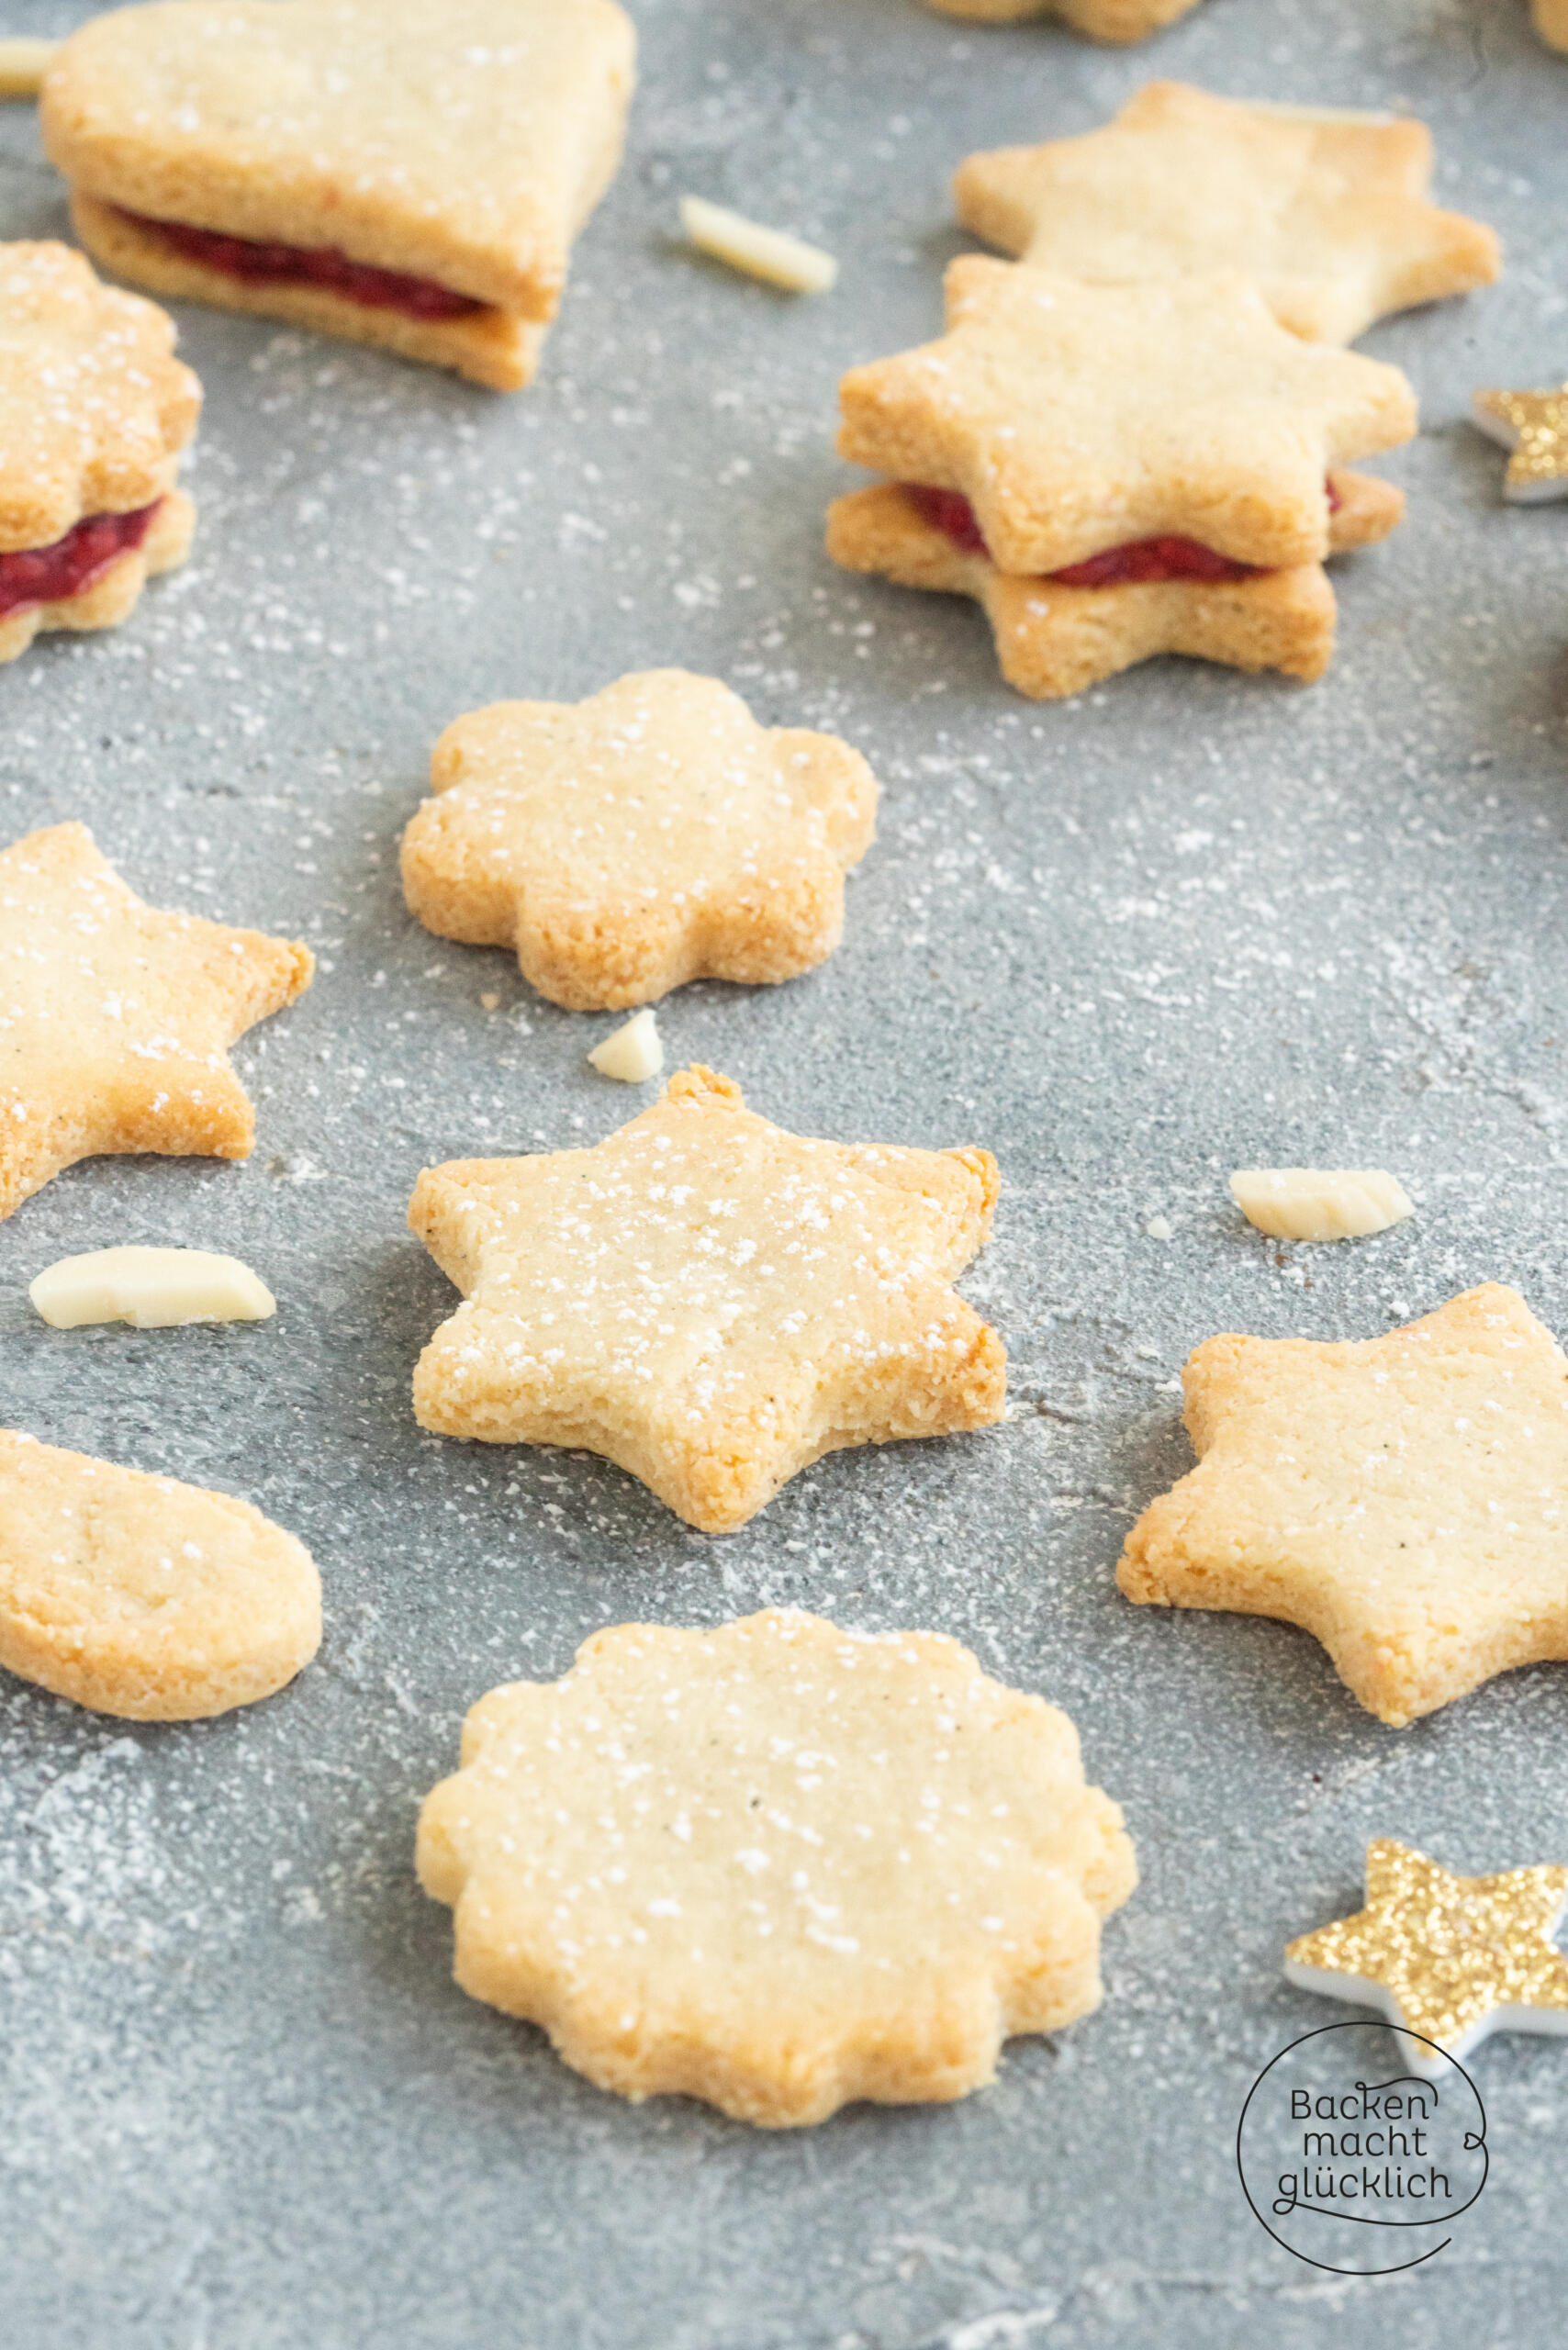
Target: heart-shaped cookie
[{"x": 405, "y": 172}]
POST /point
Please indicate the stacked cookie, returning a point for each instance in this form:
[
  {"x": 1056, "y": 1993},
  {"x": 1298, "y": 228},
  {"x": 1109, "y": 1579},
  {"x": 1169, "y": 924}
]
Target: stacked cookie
[
  {"x": 388, "y": 171},
  {"x": 1132, "y": 438}
]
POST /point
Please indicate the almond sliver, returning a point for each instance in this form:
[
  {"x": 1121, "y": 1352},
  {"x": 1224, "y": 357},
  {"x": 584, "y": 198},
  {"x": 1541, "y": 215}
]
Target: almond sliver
[
  {"x": 771, "y": 254},
  {"x": 152, "y": 1288}
]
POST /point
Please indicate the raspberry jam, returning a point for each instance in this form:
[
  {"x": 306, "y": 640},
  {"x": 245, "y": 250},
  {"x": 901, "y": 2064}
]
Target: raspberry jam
[
  {"x": 1153, "y": 559},
  {"x": 949, "y": 510},
  {"x": 1143, "y": 559},
  {"x": 379, "y": 289},
  {"x": 53, "y": 574}
]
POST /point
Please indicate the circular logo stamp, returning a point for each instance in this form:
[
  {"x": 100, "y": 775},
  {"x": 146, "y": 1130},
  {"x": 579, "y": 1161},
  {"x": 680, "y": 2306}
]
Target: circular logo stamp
[{"x": 1354, "y": 2163}]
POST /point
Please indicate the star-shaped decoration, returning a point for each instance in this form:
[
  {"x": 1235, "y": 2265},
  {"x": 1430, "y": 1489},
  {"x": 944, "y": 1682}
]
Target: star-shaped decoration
[
  {"x": 1534, "y": 425},
  {"x": 1403, "y": 1498},
  {"x": 1077, "y": 417},
  {"x": 116, "y": 1020},
  {"x": 708, "y": 1301},
  {"x": 652, "y": 835},
  {"x": 1451, "y": 1958},
  {"x": 1328, "y": 212}
]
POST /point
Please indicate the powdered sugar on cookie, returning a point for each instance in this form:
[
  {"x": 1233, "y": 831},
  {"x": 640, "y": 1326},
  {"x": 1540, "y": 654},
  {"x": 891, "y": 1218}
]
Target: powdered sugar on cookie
[
  {"x": 1328, "y": 212},
  {"x": 652, "y": 835},
  {"x": 94, "y": 411},
  {"x": 116, "y": 1020},
  {"x": 709, "y": 1301},
  {"x": 778, "y": 1865}
]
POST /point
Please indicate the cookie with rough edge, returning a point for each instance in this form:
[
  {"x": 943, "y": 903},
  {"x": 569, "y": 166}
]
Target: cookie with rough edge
[
  {"x": 709, "y": 1301},
  {"x": 1117, "y": 21},
  {"x": 94, "y": 411},
  {"x": 142, "y": 1597},
  {"x": 410, "y": 174},
  {"x": 1330, "y": 218},
  {"x": 1053, "y": 640},
  {"x": 777, "y": 1866},
  {"x": 116, "y": 1020},
  {"x": 1405, "y": 1499},
  {"x": 652, "y": 835},
  {"x": 1076, "y": 419},
  {"x": 112, "y": 590}
]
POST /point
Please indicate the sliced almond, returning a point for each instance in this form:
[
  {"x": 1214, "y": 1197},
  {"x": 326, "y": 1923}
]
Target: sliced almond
[
  {"x": 1320, "y": 1202},
  {"x": 771, "y": 254},
  {"x": 632, "y": 1053},
  {"x": 152, "y": 1288},
  {"x": 23, "y": 64}
]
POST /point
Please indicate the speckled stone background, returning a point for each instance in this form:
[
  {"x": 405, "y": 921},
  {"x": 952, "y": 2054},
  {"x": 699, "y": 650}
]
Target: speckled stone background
[{"x": 1189, "y": 922}]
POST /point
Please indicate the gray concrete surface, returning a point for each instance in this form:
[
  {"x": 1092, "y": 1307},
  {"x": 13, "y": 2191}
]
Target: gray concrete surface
[{"x": 1189, "y": 922}]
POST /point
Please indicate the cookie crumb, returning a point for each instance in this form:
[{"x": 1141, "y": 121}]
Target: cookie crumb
[
  {"x": 1320, "y": 1202},
  {"x": 771, "y": 254},
  {"x": 633, "y": 1052},
  {"x": 23, "y": 64},
  {"x": 153, "y": 1289},
  {"x": 490, "y": 1002}
]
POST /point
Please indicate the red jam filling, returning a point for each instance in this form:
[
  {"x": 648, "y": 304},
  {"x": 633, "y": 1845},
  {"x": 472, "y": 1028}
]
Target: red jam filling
[
  {"x": 51, "y": 575},
  {"x": 1143, "y": 559},
  {"x": 380, "y": 289}
]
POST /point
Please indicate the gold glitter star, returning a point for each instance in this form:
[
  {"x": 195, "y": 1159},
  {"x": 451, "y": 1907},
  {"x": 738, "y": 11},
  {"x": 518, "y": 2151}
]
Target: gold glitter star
[
  {"x": 1450, "y": 1957},
  {"x": 1534, "y": 425}
]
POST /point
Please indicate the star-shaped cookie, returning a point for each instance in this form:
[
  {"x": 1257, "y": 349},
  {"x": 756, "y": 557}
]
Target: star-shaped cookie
[
  {"x": 1109, "y": 20},
  {"x": 143, "y": 1597},
  {"x": 1054, "y": 639},
  {"x": 1328, "y": 216},
  {"x": 1403, "y": 1498},
  {"x": 1452, "y": 1959},
  {"x": 405, "y": 172},
  {"x": 708, "y": 1301},
  {"x": 1078, "y": 418},
  {"x": 1534, "y": 426},
  {"x": 652, "y": 835},
  {"x": 116, "y": 1020},
  {"x": 777, "y": 1866},
  {"x": 95, "y": 410}
]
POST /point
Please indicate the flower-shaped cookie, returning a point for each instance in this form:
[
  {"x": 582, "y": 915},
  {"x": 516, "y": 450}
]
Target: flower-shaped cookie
[
  {"x": 1055, "y": 638},
  {"x": 652, "y": 835},
  {"x": 1328, "y": 215},
  {"x": 1077, "y": 419},
  {"x": 708, "y": 1301},
  {"x": 1403, "y": 1498},
  {"x": 405, "y": 172},
  {"x": 94, "y": 411},
  {"x": 140, "y": 1596},
  {"x": 778, "y": 1865},
  {"x": 116, "y": 1020}
]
